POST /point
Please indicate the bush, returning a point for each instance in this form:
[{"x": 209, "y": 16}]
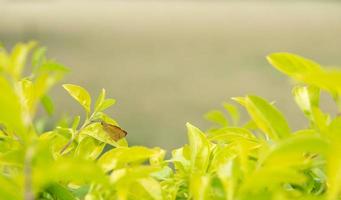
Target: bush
[{"x": 260, "y": 159}]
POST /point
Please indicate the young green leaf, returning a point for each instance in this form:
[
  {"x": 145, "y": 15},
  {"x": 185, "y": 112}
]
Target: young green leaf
[
  {"x": 47, "y": 104},
  {"x": 267, "y": 117},
  {"x": 38, "y": 57},
  {"x": 233, "y": 111},
  {"x": 58, "y": 191},
  {"x": 89, "y": 148},
  {"x": 99, "y": 100},
  {"x": 9, "y": 189},
  {"x": 106, "y": 104},
  {"x": 229, "y": 172},
  {"x": 293, "y": 65},
  {"x": 102, "y": 103},
  {"x": 153, "y": 188},
  {"x": 18, "y": 58},
  {"x": 10, "y": 109},
  {"x": 226, "y": 164},
  {"x": 96, "y": 131},
  {"x": 5, "y": 60},
  {"x": 80, "y": 94},
  {"x": 120, "y": 156},
  {"x": 200, "y": 186},
  {"x": 307, "y": 98},
  {"x": 233, "y": 134},
  {"x": 333, "y": 160},
  {"x": 297, "y": 145},
  {"x": 75, "y": 122},
  {"x": 217, "y": 117},
  {"x": 307, "y": 71},
  {"x": 199, "y": 149}
]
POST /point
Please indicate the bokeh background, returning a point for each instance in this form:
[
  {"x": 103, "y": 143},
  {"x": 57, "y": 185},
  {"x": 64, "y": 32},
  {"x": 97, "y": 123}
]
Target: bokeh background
[{"x": 169, "y": 62}]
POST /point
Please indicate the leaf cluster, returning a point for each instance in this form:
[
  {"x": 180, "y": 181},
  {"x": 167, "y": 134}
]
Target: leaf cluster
[{"x": 260, "y": 158}]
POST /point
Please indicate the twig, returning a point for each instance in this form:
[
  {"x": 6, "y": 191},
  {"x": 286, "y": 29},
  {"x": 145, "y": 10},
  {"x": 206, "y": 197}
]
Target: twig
[{"x": 75, "y": 135}]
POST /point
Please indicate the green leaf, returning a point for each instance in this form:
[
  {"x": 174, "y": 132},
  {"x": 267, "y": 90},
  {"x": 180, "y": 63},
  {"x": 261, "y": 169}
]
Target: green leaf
[
  {"x": 60, "y": 192},
  {"x": 269, "y": 179},
  {"x": 307, "y": 71},
  {"x": 13, "y": 157},
  {"x": 102, "y": 103},
  {"x": 307, "y": 98},
  {"x": 9, "y": 189},
  {"x": 181, "y": 159},
  {"x": 28, "y": 99},
  {"x": 103, "y": 117},
  {"x": 48, "y": 104},
  {"x": 106, "y": 104},
  {"x": 80, "y": 94},
  {"x": 242, "y": 132},
  {"x": 233, "y": 134},
  {"x": 267, "y": 117},
  {"x": 293, "y": 65},
  {"x": 38, "y": 57},
  {"x": 240, "y": 100},
  {"x": 118, "y": 157},
  {"x": 100, "y": 99},
  {"x": 46, "y": 76},
  {"x": 292, "y": 150},
  {"x": 75, "y": 122},
  {"x": 127, "y": 175},
  {"x": 52, "y": 66},
  {"x": 89, "y": 148},
  {"x": 320, "y": 120},
  {"x": 10, "y": 109},
  {"x": 125, "y": 180},
  {"x": 67, "y": 169},
  {"x": 96, "y": 131},
  {"x": 229, "y": 174},
  {"x": 152, "y": 187},
  {"x": 5, "y": 60},
  {"x": 233, "y": 111},
  {"x": 81, "y": 191},
  {"x": 165, "y": 173},
  {"x": 217, "y": 117},
  {"x": 199, "y": 149},
  {"x": 199, "y": 186},
  {"x": 57, "y": 140},
  {"x": 334, "y": 161},
  {"x": 18, "y": 58}
]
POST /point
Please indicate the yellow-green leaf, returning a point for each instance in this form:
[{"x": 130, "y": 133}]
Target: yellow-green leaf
[
  {"x": 217, "y": 117},
  {"x": 199, "y": 149},
  {"x": 267, "y": 117},
  {"x": 18, "y": 58},
  {"x": 10, "y": 109},
  {"x": 307, "y": 98},
  {"x": 80, "y": 94},
  {"x": 233, "y": 111}
]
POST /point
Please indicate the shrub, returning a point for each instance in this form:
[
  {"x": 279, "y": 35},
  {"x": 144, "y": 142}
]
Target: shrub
[{"x": 261, "y": 158}]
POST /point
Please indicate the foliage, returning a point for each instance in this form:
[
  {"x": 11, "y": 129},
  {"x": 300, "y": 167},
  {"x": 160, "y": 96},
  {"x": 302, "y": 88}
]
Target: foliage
[{"x": 260, "y": 159}]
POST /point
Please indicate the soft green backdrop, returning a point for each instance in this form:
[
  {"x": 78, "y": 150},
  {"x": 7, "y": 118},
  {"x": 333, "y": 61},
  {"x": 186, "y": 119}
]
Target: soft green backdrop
[{"x": 169, "y": 62}]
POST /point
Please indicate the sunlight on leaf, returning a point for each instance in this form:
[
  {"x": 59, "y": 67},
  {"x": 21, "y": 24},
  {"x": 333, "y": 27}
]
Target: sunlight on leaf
[
  {"x": 80, "y": 94},
  {"x": 267, "y": 117}
]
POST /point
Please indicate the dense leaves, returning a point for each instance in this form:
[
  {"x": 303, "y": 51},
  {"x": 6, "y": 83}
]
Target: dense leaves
[{"x": 261, "y": 158}]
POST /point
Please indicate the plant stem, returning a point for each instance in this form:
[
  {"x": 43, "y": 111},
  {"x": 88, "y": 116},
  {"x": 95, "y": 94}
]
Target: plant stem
[
  {"x": 73, "y": 138},
  {"x": 86, "y": 123}
]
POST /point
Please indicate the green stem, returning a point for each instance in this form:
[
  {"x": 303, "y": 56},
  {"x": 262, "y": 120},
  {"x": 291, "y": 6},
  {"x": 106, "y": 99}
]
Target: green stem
[
  {"x": 73, "y": 138},
  {"x": 87, "y": 122}
]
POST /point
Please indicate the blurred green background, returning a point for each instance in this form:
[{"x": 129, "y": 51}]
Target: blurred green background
[{"x": 169, "y": 62}]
